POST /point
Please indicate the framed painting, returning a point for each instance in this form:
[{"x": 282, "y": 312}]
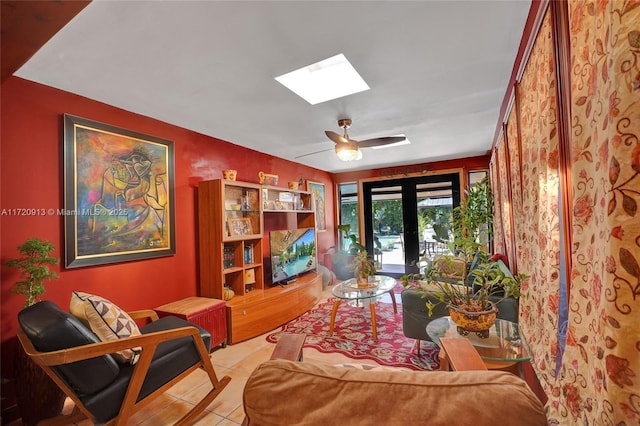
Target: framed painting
[
  {"x": 317, "y": 191},
  {"x": 118, "y": 194},
  {"x": 239, "y": 226}
]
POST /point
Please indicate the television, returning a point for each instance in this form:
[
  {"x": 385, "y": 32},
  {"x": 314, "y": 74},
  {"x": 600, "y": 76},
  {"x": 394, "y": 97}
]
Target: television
[{"x": 292, "y": 253}]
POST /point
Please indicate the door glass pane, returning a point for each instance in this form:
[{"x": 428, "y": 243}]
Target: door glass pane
[
  {"x": 435, "y": 219},
  {"x": 348, "y": 196},
  {"x": 388, "y": 225}
]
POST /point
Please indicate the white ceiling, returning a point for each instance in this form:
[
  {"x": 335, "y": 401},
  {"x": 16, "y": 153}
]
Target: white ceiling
[{"x": 438, "y": 71}]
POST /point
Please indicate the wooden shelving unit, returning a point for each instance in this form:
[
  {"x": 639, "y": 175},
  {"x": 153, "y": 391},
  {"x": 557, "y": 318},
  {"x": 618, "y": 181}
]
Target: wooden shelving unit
[{"x": 234, "y": 218}]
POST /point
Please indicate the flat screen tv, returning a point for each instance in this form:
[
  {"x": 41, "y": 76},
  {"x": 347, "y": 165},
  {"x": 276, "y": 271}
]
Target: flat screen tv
[{"x": 292, "y": 252}]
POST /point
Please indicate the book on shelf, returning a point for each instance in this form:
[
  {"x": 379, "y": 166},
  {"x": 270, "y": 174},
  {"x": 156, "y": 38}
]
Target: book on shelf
[
  {"x": 248, "y": 254},
  {"x": 228, "y": 257}
]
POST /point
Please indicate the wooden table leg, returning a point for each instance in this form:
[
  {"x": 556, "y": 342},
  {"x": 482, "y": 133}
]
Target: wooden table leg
[
  {"x": 393, "y": 300},
  {"x": 336, "y": 304},
  {"x": 372, "y": 308}
]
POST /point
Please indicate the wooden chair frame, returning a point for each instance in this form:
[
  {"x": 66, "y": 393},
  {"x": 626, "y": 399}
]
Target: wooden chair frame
[{"x": 148, "y": 342}]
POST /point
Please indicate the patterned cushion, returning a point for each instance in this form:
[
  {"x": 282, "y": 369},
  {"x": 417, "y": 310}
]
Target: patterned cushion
[{"x": 107, "y": 321}]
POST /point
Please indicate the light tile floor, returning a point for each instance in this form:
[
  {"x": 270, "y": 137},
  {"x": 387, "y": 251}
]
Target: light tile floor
[{"x": 236, "y": 361}]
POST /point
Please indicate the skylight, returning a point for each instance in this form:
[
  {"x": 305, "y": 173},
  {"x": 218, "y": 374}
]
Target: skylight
[{"x": 323, "y": 81}]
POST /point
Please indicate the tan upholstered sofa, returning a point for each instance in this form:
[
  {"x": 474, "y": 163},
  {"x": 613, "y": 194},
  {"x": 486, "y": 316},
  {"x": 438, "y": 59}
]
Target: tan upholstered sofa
[{"x": 283, "y": 392}]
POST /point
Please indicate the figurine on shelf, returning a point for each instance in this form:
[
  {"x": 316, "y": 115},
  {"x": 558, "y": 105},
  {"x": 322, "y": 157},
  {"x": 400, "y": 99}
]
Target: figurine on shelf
[{"x": 246, "y": 205}]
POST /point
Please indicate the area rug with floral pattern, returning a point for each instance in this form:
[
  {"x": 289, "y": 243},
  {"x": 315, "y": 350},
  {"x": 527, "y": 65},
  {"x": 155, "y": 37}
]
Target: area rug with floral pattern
[{"x": 353, "y": 337}]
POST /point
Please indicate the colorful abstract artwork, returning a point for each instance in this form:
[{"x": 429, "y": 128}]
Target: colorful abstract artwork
[{"x": 118, "y": 194}]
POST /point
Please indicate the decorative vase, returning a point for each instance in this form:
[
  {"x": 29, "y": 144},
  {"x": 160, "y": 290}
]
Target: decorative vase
[
  {"x": 229, "y": 174},
  {"x": 473, "y": 322},
  {"x": 363, "y": 282}
]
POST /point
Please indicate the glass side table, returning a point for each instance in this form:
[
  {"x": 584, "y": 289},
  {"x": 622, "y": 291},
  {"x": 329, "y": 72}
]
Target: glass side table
[
  {"x": 504, "y": 347},
  {"x": 357, "y": 296}
]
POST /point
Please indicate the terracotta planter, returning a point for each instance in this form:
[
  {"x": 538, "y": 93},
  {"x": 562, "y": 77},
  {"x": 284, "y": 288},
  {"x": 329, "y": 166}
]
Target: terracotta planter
[{"x": 473, "y": 322}]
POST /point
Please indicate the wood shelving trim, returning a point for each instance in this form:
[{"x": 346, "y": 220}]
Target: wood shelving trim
[
  {"x": 283, "y": 189},
  {"x": 287, "y": 211},
  {"x": 227, "y": 239},
  {"x": 246, "y": 299}
]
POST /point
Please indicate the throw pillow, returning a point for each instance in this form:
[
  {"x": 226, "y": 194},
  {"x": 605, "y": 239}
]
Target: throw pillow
[{"x": 107, "y": 321}]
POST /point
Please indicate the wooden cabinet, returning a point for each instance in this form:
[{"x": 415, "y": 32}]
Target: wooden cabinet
[
  {"x": 252, "y": 316},
  {"x": 209, "y": 314},
  {"x": 234, "y": 219},
  {"x": 230, "y": 237}
]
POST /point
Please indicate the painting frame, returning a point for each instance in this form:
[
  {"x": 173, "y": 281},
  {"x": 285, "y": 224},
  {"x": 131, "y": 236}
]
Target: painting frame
[
  {"x": 317, "y": 190},
  {"x": 118, "y": 194},
  {"x": 239, "y": 226}
]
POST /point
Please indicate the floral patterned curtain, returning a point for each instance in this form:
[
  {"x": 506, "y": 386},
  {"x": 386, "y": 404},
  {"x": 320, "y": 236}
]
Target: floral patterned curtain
[
  {"x": 505, "y": 203},
  {"x": 513, "y": 144},
  {"x": 498, "y": 231},
  {"x": 538, "y": 246},
  {"x": 598, "y": 382},
  {"x": 600, "y": 373},
  {"x": 533, "y": 153}
]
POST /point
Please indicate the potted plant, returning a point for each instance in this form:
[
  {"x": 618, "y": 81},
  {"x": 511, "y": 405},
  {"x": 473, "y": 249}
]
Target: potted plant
[
  {"x": 472, "y": 220},
  {"x": 363, "y": 267},
  {"x": 342, "y": 259},
  {"x": 37, "y": 395},
  {"x": 472, "y": 311},
  {"x": 33, "y": 264}
]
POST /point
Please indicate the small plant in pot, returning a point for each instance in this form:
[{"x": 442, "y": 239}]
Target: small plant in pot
[
  {"x": 472, "y": 311},
  {"x": 33, "y": 264},
  {"x": 37, "y": 395},
  {"x": 342, "y": 259},
  {"x": 363, "y": 267}
]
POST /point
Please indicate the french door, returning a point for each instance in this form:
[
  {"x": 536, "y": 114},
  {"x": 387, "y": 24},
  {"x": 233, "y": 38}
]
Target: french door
[{"x": 409, "y": 218}]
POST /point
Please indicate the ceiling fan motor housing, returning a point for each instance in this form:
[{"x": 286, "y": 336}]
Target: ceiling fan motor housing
[{"x": 344, "y": 123}]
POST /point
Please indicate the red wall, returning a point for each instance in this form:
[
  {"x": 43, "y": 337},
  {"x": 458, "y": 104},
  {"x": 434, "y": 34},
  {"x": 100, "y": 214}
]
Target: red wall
[{"x": 31, "y": 177}]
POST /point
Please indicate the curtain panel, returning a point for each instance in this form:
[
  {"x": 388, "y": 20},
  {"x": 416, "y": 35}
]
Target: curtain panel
[
  {"x": 498, "y": 230},
  {"x": 598, "y": 380},
  {"x": 600, "y": 373},
  {"x": 539, "y": 243},
  {"x": 513, "y": 146},
  {"x": 505, "y": 203}
]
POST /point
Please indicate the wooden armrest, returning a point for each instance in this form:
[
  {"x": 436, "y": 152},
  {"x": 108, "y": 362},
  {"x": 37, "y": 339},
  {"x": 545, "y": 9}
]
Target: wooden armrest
[
  {"x": 461, "y": 354},
  {"x": 289, "y": 347},
  {"x": 146, "y": 341},
  {"x": 145, "y": 313}
]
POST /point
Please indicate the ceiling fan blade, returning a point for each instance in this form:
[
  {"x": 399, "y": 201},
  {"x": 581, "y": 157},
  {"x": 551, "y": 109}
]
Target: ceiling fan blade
[
  {"x": 335, "y": 137},
  {"x": 313, "y": 153},
  {"x": 368, "y": 143}
]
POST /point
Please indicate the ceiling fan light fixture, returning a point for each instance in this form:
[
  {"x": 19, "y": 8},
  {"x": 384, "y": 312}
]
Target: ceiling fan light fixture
[{"x": 348, "y": 151}]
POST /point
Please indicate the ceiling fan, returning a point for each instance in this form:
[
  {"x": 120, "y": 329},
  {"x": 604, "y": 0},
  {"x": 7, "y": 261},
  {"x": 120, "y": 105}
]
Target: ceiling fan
[{"x": 348, "y": 149}]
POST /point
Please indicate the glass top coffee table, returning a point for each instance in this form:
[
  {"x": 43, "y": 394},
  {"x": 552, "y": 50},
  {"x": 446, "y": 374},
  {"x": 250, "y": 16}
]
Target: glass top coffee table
[
  {"x": 504, "y": 346},
  {"x": 359, "y": 296}
]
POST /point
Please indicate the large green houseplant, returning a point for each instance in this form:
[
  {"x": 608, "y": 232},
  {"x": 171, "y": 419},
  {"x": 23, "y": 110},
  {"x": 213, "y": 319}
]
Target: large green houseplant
[
  {"x": 33, "y": 264},
  {"x": 491, "y": 285},
  {"x": 473, "y": 219},
  {"x": 37, "y": 395},
  {"x": 342, "y": 259}
]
